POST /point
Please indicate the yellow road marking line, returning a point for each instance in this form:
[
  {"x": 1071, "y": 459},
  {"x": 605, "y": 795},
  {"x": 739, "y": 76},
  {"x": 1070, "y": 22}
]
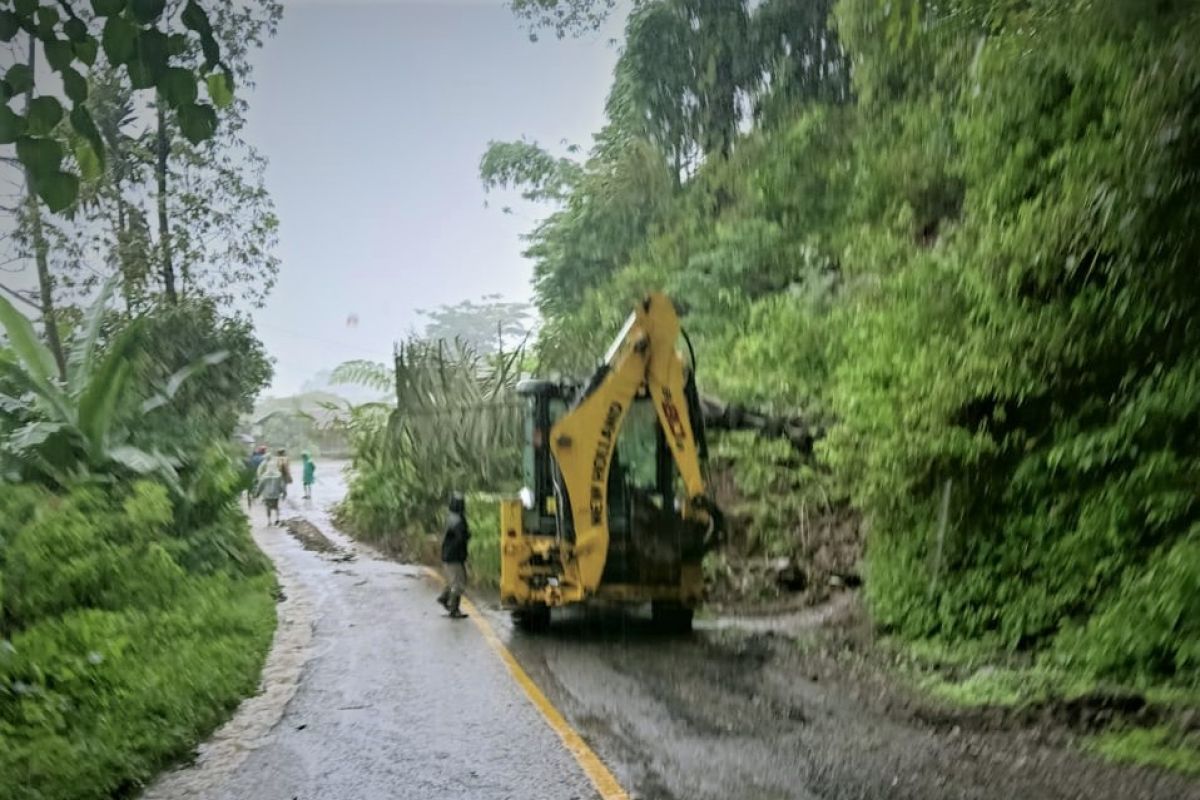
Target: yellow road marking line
[{"x": 600, "y": 776}]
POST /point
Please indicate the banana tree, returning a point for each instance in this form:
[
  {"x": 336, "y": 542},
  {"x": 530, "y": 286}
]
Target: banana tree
[{"x": 82, "y": 428}]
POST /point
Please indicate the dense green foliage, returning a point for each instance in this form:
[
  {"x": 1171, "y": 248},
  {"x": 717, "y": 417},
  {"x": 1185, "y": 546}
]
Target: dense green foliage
[
  {"x": 1024, "y": 340},
  {"x": 207, "y": 406},
  {"x": 132, "y": 623},
  {"x": 975, "y": 270},
  {"x": 135, "y": 609},
  {"x": 81, "y": 429},
  {"x": 131, "y": 405}
]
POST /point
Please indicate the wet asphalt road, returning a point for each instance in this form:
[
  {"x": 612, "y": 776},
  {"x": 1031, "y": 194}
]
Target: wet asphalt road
[{"x": 396, "y": 700}]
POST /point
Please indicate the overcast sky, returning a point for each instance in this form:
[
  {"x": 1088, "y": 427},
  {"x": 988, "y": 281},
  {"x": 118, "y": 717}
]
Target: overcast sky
[{"x": 374, "y": 117}]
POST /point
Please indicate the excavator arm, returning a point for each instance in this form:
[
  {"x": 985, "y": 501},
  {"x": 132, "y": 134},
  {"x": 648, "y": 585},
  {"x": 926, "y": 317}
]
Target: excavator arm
[{"x": 583, "y": 440}]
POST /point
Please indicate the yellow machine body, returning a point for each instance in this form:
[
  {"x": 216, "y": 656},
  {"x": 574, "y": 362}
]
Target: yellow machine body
[{"x": 556, "y": 545}]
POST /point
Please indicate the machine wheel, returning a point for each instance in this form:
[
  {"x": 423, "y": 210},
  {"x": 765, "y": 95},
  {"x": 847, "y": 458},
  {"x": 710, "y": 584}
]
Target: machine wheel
[
  {"x": 672, "y": 617},
  {"x": 534, "y": 619}
]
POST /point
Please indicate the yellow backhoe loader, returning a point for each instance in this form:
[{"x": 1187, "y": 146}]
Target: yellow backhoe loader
[{"x": 615, "y": 506}]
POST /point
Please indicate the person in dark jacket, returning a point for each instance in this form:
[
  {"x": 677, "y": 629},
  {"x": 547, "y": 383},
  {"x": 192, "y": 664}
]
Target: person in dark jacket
[{"x": 454, "y": 556}]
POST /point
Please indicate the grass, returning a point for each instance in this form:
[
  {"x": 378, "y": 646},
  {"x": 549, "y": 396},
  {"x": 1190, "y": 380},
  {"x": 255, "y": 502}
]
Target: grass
[
  {"x": 1007, "y": 687},
  {"x": 979, "y": 675},
  {"x": 1003, "y": 688},
  {"x": 483, "y": 513},
  {"x": 967, "y": 674},
  {"x": 1160, "y": 746},
  {"x": 935, "y": 653}
]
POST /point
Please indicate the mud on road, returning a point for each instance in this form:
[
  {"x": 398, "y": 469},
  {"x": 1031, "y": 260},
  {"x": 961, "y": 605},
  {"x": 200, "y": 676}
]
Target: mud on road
[{"x": 735, "y": 712}]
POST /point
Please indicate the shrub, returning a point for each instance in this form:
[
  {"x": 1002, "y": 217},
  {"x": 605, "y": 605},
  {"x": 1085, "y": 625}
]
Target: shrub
[
  {"x": 483, "y": 514},
  {"x": 125, "y": 636},
  {"x": 1150, "y": 624}
]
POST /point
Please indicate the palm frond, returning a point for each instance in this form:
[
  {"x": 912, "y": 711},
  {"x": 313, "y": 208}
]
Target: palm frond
[{"x": 369, "y": 374}]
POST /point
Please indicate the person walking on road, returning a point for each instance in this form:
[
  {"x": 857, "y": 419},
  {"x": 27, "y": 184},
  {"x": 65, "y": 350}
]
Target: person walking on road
[
  {"x": 252, "y": 464},
  {"x": 310, "y": 473},
  {"x": 285, "y": 470},
  {"x": 271, "y": 486},
  {"x": 454, "y": 556}
]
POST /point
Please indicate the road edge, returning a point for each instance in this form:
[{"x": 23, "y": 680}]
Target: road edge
[
  {"x": 257, "y": 715},
  {"x": 592, "y": 765}
]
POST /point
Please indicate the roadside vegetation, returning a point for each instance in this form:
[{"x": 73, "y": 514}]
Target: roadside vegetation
[
  {"x": 454, "y": 425},
  {"x": 135, "y": 609},
  {"x": 959, "y": 239},
  {"x": 133, "y": 624}
]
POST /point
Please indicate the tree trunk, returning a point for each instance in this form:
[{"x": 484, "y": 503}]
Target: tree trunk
[
  {"x": 164, "y": 231},
  {"x": 129, "y": 281},
  {"x": 41, "y": 250}
]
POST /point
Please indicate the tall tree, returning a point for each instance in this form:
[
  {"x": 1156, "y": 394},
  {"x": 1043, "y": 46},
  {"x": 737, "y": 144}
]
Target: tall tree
[
  {"x": 55, "y": 147},
  {"x": 800, "y": 57},
  {"x": 486, "y": 326},
  {"x": 217, "y": 226},
  {"x": 224, "y": 223},
  {"x": 720, "y": 67},
  {"x": 651, "y": 96},
  {"x": 680, "y": 74},
  {"x": 177, "y": 208},
  {"x": 162, "y": 152},
  {"x": 111, "y": 103},
  {"x": 564, "y": 17}
]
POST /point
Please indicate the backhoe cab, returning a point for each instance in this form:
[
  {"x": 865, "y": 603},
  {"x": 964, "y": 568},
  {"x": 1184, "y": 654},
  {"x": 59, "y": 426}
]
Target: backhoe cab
[{"x": 615, "y": 507}]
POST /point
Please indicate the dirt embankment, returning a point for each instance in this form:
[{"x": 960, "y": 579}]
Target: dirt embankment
[{"x": 779, "y": 551}]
